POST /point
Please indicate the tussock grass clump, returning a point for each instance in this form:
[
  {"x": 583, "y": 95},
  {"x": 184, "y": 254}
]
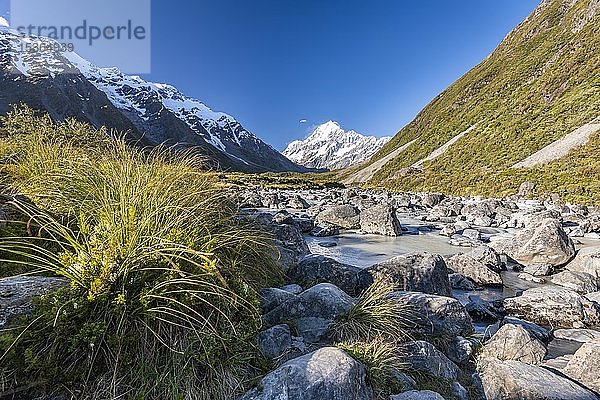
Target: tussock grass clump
[
  {"x": 374, "y": 332},
  {"x": 375, "y": 314},
  {"x": 163, "y": 272}
]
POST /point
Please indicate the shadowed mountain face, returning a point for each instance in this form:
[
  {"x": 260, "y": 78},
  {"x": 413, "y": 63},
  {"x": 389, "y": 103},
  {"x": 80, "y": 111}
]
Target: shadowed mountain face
[
  {"x": 65, "y": 85},
  {"x": 540, "y": 84}
]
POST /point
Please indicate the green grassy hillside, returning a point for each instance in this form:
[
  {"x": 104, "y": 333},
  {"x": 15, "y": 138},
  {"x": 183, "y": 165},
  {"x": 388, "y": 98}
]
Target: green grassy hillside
[{"x": 542, "y": 82}]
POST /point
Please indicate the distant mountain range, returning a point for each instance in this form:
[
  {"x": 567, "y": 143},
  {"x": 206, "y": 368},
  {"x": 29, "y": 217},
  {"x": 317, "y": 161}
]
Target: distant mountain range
[
  {"x": 65, "y": 85},
  {"x": 331, "y": 147}
]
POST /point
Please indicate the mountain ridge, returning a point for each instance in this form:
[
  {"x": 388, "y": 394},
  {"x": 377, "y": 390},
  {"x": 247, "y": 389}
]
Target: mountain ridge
[
  {"x": 62, "y": 83},
  {"x": 539, "y": 84}
]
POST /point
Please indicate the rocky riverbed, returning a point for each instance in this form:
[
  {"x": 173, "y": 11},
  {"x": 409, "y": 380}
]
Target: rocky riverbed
[
  {"x": 508, "y": 290},
  {"x": 504, "y": 293}
]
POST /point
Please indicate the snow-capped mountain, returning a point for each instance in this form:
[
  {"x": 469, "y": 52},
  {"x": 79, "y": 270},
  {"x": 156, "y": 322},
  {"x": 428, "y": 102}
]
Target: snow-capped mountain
[
  {"x": 331, "y": 147},
  {"x": 66, "y": 85}
]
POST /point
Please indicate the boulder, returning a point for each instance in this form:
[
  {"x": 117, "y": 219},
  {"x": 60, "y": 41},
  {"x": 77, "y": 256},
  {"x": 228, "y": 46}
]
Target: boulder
[
  {"x": 488, "y": 257},
  {"x": 380, "y": 219},
  {"x": 417, "y": 395},
  {"x": 544, "y": 242},
  {"x": 460, "y": 350},
  {"x": 513, "y": 342},
  {"x": 296, "y": 202},
  {"x": 539, "y": 332},
  {"x": 595, "y": 297},
  {"x": 436, "y": 316},
  {"x": 290, "y": 244},
  {"x": 555, "y": 307},
  {"x": 419, "y": 272},
  {"x": 271, "y": 298},
  {"x": 423, "y": 357},
  {"x": 583, "y": 366},
  {"x": 17, "y": 293},
  {"x": 581, "y": 282},
  {"x": 461, "y": 282},
  {"x": 587, "y": 260},
  {"x": 474, "y": 270},
  {"x": 275, "y": 341},
  {"x": 315, "y": 269},
  {"x": 484, "y": 310},
  {"x": 516, "y": 380},
  {"x": 577, "y": 335},
  {"x": 344, "y": 216},
  {"x": 327, "y": 373},
  {"x": 312, "y": 311}
]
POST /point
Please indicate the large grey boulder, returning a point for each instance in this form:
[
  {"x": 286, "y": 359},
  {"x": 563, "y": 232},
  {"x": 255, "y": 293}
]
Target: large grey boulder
[
  {"x": 513, "y": 342},
  {"x": 312, "y": 311},
  {"x": 17, "y": 293},
  {"x": 418, "y": 395},
  {"x": 516, "y": 380},
  {"x": 555, "y": 307},
  {"x": 380, "y": 219},
  {"x": 290, "y": 244},
  {"x": 344, "y": 216},
  {"x": 326, "y": 374},
  {"x": 587, "y": 260},
  {"x": 474, "y": 269},
  {"x": 423, "y": 357},
  {"x": 544, "y": 242},
  {"x": 436, "y": 316},
  {"x": 577, "y": 335},
  {"x": 539, "y": 332},
  {"x": 581, "y": 282},
  {"x": 584, "y": 366},
  {"x": 271, "y": 298},
  {"x": 418, "y": 272},
  {"x": 314, "y": 269}
]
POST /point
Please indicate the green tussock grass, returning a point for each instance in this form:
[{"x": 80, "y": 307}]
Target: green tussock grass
[{"x": 163, "y": 271}]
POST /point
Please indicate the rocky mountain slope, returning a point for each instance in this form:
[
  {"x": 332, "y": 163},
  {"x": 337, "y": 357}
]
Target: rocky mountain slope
[
  {"x": 539, "y": 85},
  {"x": 65, "y": 85},
  {"x": 331, "y": 147}
]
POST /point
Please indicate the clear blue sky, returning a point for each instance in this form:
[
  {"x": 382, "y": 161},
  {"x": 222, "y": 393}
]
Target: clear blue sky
[{"x": 371, "y": 65}]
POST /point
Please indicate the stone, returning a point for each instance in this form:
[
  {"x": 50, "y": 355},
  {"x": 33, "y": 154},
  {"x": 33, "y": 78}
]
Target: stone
[
  {"x": 315, "y": 269},
  {"x": 283, "y": 217},
  {"x": 530, "y": 278},
  {"x": 423, "y": 357},
  {"x": 539, "y": 269},
  {"x": 380, "y": 219},
  {"x": 290, "y": 244},
  {"x": 344, "y": 216},
  {"x": 516, "y": 380},
  {"x": 448, "y": 230},
  {"x": 587, "y": 260},
  {"x": 544, "y": 242},
  {"x": 418, "y": 395},
  {"x": 312, "y": 310},
  {"x": 437, "y": 316},
  {"x": 513, "y": 342},
  {"x": 17, "y": 293},
  {"x": 461, "y": 282},
  {"x": 583, "y": 366},
  {"x": 328, "y": 244},
  {"x": 483, "y": 310},
  {"x": 595, "y": 297},
  {"x": 297, "y": 203},
  {"x": 580, "y": 282},
  {"x": 275, "y": 341},
  {"x": 554, "y": 306},
  {"x": 474, "y": 270},
  {"x": 327, "y": 373},
  {"x": 460, "y": 350},
  {"x": 577, "y": 335},
  {"x": 541, "y": 333},
  {"x": 271, "y": 298},
  {"x": 488, "y": 257},
  {"x": 473, "y": 234},
  {"x": 420, "y": 272},
  {"x": 293, "y": 288},
  {"x": 325, "y": 230}
]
